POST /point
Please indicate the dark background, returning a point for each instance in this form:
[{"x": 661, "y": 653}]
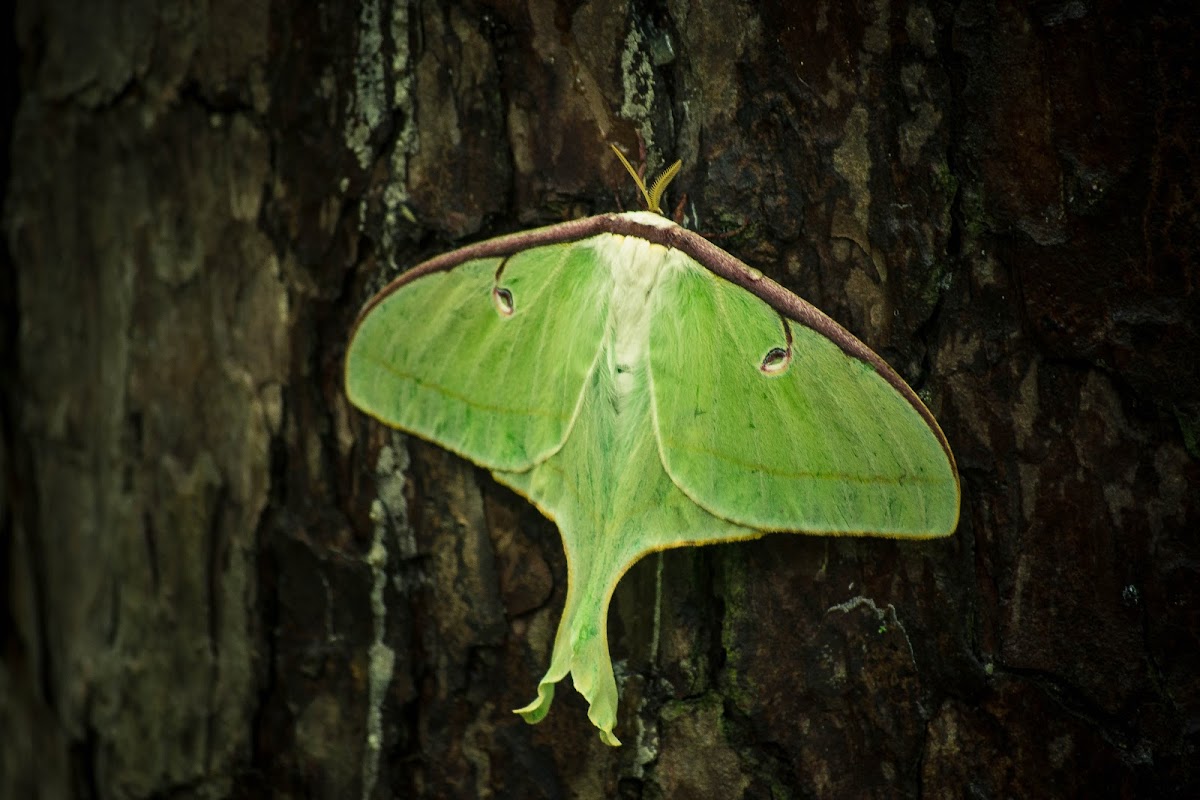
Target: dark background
[{"x": 998, "y": 197}]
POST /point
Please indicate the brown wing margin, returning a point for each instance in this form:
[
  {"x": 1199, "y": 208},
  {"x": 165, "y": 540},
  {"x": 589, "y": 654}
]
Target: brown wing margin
[{"x": 500, "y": 246}]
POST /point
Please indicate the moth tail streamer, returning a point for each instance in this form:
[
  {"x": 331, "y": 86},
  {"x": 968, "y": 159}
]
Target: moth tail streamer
[{"x": 581, "y": 650}]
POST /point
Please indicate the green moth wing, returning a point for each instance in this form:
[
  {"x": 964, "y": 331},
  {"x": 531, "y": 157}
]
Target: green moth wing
[
  {"x": 646, "y": 390},
  {"x": 777, "y": 425},
  {"x": 446, "y": 354}
]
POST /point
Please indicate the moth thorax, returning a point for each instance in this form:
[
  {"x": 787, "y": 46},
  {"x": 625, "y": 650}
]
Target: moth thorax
[{"x": 636, "y": 267}]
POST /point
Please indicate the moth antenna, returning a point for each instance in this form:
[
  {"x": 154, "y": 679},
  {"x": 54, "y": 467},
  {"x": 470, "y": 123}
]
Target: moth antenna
[
  {"x": 660, "y": 185},
  {"x": 637, "y": 179}
]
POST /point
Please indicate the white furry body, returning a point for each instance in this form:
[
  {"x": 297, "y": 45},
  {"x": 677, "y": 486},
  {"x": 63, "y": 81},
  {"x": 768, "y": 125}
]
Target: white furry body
[{"x": 637, "y": 268}]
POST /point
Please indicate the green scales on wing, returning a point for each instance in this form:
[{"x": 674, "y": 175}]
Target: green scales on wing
[{"x": 645, "y": 390}]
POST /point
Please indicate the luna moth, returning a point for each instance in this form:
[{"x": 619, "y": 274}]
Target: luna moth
[{"x": 646, "y": 390}]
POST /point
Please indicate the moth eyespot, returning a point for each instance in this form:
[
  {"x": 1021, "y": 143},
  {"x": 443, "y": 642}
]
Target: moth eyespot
[
  {"x": 776, "y": 361},
  {"x": 503, "y": 300}
]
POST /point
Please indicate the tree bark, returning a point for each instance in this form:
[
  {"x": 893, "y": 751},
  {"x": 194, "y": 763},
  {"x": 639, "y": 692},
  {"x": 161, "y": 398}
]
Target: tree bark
[{"x": 220, "y": 580}]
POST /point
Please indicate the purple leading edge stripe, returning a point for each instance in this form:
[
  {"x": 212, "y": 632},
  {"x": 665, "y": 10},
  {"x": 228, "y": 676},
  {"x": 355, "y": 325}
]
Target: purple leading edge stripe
[{"x": 699, "y": 249}]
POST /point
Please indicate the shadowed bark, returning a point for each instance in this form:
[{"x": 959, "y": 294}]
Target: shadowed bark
[{"x": 220, "y": 580}]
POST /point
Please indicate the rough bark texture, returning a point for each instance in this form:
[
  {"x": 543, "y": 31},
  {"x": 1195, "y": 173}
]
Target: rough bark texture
[{"x": 219, "y": 580}]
